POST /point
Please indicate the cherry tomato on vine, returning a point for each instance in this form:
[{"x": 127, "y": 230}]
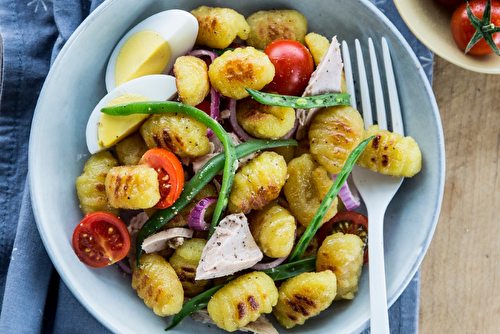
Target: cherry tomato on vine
[
  {"x": 170, "y": 174},
  {"x": 101, "y": 239},
  {"x": 293, "y": 64},
  {"x": 462, "y": 29},
  {"x": 347, "y": 222}
]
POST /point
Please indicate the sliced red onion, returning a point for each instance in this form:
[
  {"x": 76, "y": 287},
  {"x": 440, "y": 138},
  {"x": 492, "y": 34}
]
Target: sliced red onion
[
  {"x": 214, "y": 108},
  {"x": 292, "y": 131},
  {"x": 202, "y": 52},
  {"x": 238, "y": 130},
  {"x": 124, "y": 268},
  {"x": 196, "y": 219},
  {"x": 349, "y": 194},
  {"x": 269, "y": 265}
]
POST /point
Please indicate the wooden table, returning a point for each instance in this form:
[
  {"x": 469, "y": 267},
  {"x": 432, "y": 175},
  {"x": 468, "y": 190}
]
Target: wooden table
[{"x": 461, "y": 271}]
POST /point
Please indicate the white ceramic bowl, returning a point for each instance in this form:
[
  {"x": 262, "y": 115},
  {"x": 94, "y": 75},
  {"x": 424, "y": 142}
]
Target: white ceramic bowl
[
  {"x": 58, "y": 152},
  {"x": 430, "y": 22}
]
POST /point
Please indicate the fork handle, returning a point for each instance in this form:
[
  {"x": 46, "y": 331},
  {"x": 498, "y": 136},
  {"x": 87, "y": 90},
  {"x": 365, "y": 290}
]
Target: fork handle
[{"x": 379, "y": 320}]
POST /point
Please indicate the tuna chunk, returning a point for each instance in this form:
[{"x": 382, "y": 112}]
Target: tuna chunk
[
  {"x": 230, "y": 249},
  {"x": 326, "y": 79}
]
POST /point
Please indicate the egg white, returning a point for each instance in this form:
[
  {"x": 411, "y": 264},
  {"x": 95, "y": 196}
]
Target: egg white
[
  {"x": 156, "y": 87},
  {"x": 178, "y": 27}
]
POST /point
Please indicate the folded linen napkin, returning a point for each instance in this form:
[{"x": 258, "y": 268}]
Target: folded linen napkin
[{"x": 32, "y": 297}]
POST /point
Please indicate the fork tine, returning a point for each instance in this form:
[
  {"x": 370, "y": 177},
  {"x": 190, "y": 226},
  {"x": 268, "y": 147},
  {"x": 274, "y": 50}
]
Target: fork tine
[
  {"x": 349, "y": 78},
  {"x": 377, "y": 88},
  {"x": 397, "y": 120},
  {"x": 363, "y": 85}
]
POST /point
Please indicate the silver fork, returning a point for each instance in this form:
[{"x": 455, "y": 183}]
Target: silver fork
[{"x": 377, "y": 190}]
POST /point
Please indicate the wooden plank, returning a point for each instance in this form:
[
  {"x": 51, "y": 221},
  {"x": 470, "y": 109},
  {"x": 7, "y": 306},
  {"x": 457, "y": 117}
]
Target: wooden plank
[{"x": 461, "y": 271}]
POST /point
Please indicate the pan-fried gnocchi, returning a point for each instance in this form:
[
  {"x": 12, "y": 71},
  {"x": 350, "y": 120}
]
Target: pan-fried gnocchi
[
  {"x": 271, "y": 25},
  {"x": 258, "y": 183},
  {"x": 390, "y": 153},
  {"x": 158, "y": 285},
  {"x": 305, "y": 188},
  {"x": 132, "y": 187},
  {"x": 191, "y": 79},
  {"x": 334, "y": 134},
  {"x": 273, "y": 229},
  {"x": 343, "y": 255},
  {"x": 130, "y": 150},
  {"x": 185, "y": 261},
  {"x": 177, "y": 133},
  {"x": 304, "y": 296},
  {"x": 90, "y": 186},
  {"x": 219, "y": 27},
  {"x": 264, "y": 121},
  {"x": 318, "y": 45},
  {"x": 242, "y": 68},
  {"x": 243, "y": 300}
]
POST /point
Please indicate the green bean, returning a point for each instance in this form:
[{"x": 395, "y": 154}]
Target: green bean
[
  {"x": 231, "y": 163},
  {"x": 197, "y": 182},
  {"x": 292, "y": 269},
  {"x": 308, "y": 102},
  {"x": 313, "y": 226},
  {"x": 194, "y": 304},
  {"x": 281, "y": 272}
]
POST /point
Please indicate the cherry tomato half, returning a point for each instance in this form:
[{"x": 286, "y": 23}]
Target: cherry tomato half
[
  {"x": 347, "y": 222},
  {"x": 462, "y": 30},
  {"x": 101, "y": 239},
  {"x": 293, "y": 64},
  {"x": 204, "y": 106},
  {"x": 170, "y": 174}
]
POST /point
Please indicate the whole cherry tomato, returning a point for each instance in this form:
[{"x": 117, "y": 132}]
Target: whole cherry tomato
[
  {"x": 462, "y": 29},
  {"x": 293, "y": 64}
]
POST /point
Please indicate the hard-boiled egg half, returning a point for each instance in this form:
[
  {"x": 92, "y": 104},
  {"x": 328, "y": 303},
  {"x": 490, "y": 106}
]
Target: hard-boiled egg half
[
  {"x": 104, "y": 131},
  {"x": 151, "y": 47}
]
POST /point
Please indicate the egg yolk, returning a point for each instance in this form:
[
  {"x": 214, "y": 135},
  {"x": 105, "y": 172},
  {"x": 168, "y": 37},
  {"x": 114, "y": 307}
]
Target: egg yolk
[
  {"x": 111, "y": 129},
  {"x": 144, "y": 53}
]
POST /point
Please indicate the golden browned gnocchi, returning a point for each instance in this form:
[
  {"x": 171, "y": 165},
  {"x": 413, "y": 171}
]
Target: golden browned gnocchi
[
  {"x": 180, "y": 134},
  {"x": 391, "y": 153},
  {"x": 318, "y": 45},
  {"x": 158, "y": 285},
  {"x": 305, "y": 188},
  {"x": 342, "y": 254},
  {"x": 244, "y": 67},
  {"x": 273, "y": 229},
  {"x": 243, "y": 300},
  {"x": 185, "y": 261},
  {"x": 271, "y": 25},
  {"x": 219, "y": 27},
  {"x": 304, "y": 296},
  {"x": 334, "y": 133},
  {"x": 90, "y": 187},
  {"x": 132, "y": 187},
  {"x": 257, "y": 183},
  {"x": 130, "y": 150},
  {"x": 264, "y": 121},
  {"x": 191, "y": 79}
]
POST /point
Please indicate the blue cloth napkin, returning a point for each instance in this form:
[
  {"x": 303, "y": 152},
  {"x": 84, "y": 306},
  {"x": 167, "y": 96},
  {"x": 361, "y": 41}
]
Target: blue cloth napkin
[{"x": 32, "y": 297}]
